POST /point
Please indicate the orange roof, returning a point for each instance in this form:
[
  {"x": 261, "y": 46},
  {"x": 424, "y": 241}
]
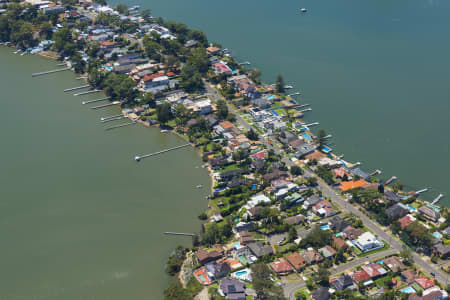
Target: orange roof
[
  {"x": 315, "y": 155},
  {"x": 424, "y": 282},
  {"x": 349, "y": 185},
  {"x": 226, "y": 125},
  {"x": 108, "y": 43},
  {"x": 153, "y": 76}
]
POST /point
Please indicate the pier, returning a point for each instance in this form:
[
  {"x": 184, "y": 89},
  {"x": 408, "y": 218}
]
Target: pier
[
  {"x": 120, "y": 117},
  {"x": 244, "y": 63},
  {"x": 110, "y": 117},
  {"x": 95, "y": 100},
  {"x": 106, "y": 105},
  {"x": 121, "y": 125},
  {"x": 311, "y": 124},
  {"x": 294, "y": 94},
  {"x": 437, "y": 199},
  {"x": 305, "y": 110},
  {"x": 62, "y": 64},
  {"x": 82, "y": 77},
  {"x": 302, "y": 105},
  {"x": 376, "y": 172},
  {"x": 139, "y": 158},
  {"x": 87, "y": 92},
  {"x": 49, "y": 72},
  {"x": 422, "y": 191},
  {"x": 77, "y": 88},
  {"x": 179, "y": 233},
  {"x": 390, "y": 180}
]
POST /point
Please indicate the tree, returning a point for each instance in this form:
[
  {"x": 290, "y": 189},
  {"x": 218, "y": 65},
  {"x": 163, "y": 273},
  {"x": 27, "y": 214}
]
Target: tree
[
  {"x": 296, "y": 170},
  {"x": 191, "y": 79},
  {"x": 397, "y": 186},
  {"x": 252, "y": 135},
  {"x": 396, "y": 227},
  {"x": 311, "y": 181},
  {"x": 292, "y": 234},
  {"x": 323, "y": 276},
  {"x": 145, "y": 13},
  {"x": 279, "y": 85},
  {"x": 122, "y": 8},
  {"x": 176, "y": 291},
  {"x": 222, "y": 110},
  {"x": 321, "y": 134},
  {"x": 149, "y": 99},
  {"x": 163, "y": 113},
  {"x": 263, "y": 285},
  {"x": 175, "y": 261},
  {"x": 407, "y": 256}
]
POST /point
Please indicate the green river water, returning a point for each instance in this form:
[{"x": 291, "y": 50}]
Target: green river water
[{"x": 79, "y": 218}]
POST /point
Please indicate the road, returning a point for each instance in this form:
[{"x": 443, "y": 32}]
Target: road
[
  {"x": 327, "y": 191},
  {"x": 291, "y": 287}
]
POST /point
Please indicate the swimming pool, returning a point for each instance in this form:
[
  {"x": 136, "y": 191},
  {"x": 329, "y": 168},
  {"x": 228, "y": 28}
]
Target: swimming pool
[
  {"x": 433, "y": 207},
  {"x": 325, "y": 227},
  {"x": 326, "y": 149},
  {"x": 437, "y": 235},
  {"x": 339, "y": 234},
  {"x": 408, "y": 290},
  {"x": 270, "y": 97},
  {"x": 412, "y": 208},
  {"x": 307, "y": 137},
  {"x": 275, "y": 113},
  {"x": 240, "y": 273}
]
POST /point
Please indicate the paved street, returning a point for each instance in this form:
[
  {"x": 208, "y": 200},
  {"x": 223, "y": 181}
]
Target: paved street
[{"x": 395, "y": 245}]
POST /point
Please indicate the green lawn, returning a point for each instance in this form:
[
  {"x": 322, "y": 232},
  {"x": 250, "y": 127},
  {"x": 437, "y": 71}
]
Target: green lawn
[{"x": 229, "y": 168}]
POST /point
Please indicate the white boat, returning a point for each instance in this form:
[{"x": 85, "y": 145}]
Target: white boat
[
  {"x": 163, "y": 130},
  {"x": 303, "y": 10},
  {"x": 199, "y": 186}
]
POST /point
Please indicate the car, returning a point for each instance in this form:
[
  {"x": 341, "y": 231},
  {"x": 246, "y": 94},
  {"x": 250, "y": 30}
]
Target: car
[{"x": 433, "y": 274}]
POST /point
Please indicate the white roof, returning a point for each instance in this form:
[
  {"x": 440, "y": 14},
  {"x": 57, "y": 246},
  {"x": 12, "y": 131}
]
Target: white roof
[
  {"x": 366, "y": 238},
  {"x": 257, "y": 199}
]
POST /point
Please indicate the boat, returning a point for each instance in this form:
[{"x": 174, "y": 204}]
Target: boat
[
  {"x": 303, "y": 10},
  {"x": 288, "y": 87},
  {"x": 137, "y": 158},
  {"x": 199, "y": 186},
  {"x": 163, "y": 130}
]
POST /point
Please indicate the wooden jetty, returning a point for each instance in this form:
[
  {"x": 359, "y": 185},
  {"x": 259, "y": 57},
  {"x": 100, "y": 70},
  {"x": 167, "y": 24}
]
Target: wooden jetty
[
  {"x": 294, "y": 94},
  {"x": 139, "y": 158},
  {"x": 305, "y": 110},
  {"x": 244, "y": 63},
  {"x": 106, "y": 105},
  {"x": 95, "y": 100},
  {"x": 77, "y": 88},
  {"x": 390, "y": 180},
  {"x": 121, "y": 125},
  {"x": 311, "y": 124},
  {"x": 422, "y": 191},
  {"x": 120, "y": 117},
  {"x": 49, "y": 72},
  {"x": 376, "y": 172},
  {"x": 179, "y": 233},
  {"x": 110, "y": 117},
  {"x": 87, "y": 92},
  {"x": 62, "y": 64},
  {"x": 437, "y": 199}
]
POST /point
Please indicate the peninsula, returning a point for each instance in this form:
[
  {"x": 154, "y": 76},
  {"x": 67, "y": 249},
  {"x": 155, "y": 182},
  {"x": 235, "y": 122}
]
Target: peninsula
[{"x": 287, "y": 218}]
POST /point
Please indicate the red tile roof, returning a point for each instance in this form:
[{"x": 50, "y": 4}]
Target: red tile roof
[
  {"x": 361, "y": 275},
  {"x": 153, "y": 76},
  {"x": 281, "y": 266},
  {"x": 259, "y": 155},
  {"x": 424, "y": 282},
  {"x": 405, "y": 221}
]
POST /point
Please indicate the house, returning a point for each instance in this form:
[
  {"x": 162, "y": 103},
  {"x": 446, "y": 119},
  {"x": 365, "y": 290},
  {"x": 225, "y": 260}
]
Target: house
[
  {"x": 352, "y": 184},
  {"x": 294, "y": 199},
  {"x": 228, "y": 175},
  {"x": 447, "y": 230},
  {"x": 338, "y": 224},
  {"x": 275, "y": 174},
  {"x": 338, "y": 243},
  {"x": 203, "y": 107},
  {"x": 361, "y": 276},
  {"x": 245, "y": 238},
  {"x": 321, "y": 293},
  {"x": 424, "y": 282},
  {"x": 286, "y": 137},
  {"x": 205, "y": 257},
  {"x": 244, "y": 226},
  {"x": 222, "y": 68},
  {"x": 368, "y": 242},
  {"x": 295, "y": 144},
  {"x": 278, "y": 184},
  {"x": 217, "y": 163},
  {"x": 311, "y": 256},
  {"x": 360, "y": 173},
  {"x": 441, "y": 250},
  {"x": 260, "y": 155},
  {"x": 429, "y": 213},
  {"x": 343, "y": 282},
  {"x": 281, "y": 267},
  {"x": 310, "y": 201},
  {"x": 295, "y": 220},
  {"x": 296, "y": 261},
  {"x": 216, "y": 271},
  {"x": 397, "y": 211},
  {"x": 323, "y": 209},
  {"x": 223, "y": 127},
  {"x": 155, "y": 83},
  {"x": 258, "y": 199},
  {"x": 392, "y": 197},
  {"x": 232, "y": 289},
  {"x": 434, "y": 295},
  {"x": 341, "y": 173},
  {"x": 190, "y": 43},
  {"x": 257, "y": 165},
  {"x": 406, "y": 221},
  {"x": 259, "y": 250},
  {"x": 327, "y": 251},
  {"x": 124, "y": 69},
  {"x": 352, "y": 233},
  {"x": 409, "y": 276},
  {"x": 374, "y": 270},
  {"x": 255, "y": 212},
  {"x": 107, "y": 45},
  {"x": 394, "y": 264},
  {"x": 213, "y": 50},
  {"x": 217, "y": 217},
  {"x": 304, "y": 150}
]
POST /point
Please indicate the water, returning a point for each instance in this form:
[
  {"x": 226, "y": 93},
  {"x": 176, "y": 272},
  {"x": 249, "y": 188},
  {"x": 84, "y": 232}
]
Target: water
[
  {"x": 79, "y": 218},
  {"x": 375, "y": 72}
]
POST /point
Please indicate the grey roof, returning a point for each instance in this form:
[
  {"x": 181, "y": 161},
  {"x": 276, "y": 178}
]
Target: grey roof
[
  {"x": 338, "y": 224},
  {"x": 447, "y": 230},
  {"x": 295, "y": 220},
  {"x": 361, "y": 173},
  {"x": 321, "y": 293},
  {"x": 429, "y": 212},
  {"x": 304, "y": 150},
  {"x": 259, "y": 249},
  {"x": 231, "y": 286},
  {"x": 392, "y": 197},
  {"x": 236, "y": 296},
  {"x": 396, "y": 211},
  {"x": 124, "y": 69},
  {"x": 342, "y": 282}
]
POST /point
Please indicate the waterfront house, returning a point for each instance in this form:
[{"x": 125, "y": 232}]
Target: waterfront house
[
  {"x": 352, "y": 184},
  {"x": 368, "y": 242},
  {"x": 216, "y": 271},
  {"x": 259, "y": 250},
  {"x": 244, "y": 226},
  {"x": 392, "y": 197},
  {"x": 228, "y": 175},
  {"x": 296, "y": 261},
  {"x": 394, "y": 264},
  {"x": 213, "y": 50},
  {"x": 281, "y": 267},
  {"x": 221, "y": 68},
  {"x": 204, "y": 256},
  {"x": 429, "y": 213},
  {"x": 258, "y": 199},
  {"x": 343, "y": 282},
  {"x": 304, "y": 150},
  {"x": 232, "y": 289},
  {"x": 397, "y": 211},
  {"x": 360, "y": 173}
]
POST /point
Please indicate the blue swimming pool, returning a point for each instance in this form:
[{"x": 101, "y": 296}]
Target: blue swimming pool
[
  {"x": 270, "y": 97},
  {"x": 408, "y": 290},
  {"x": 307, "y": 137},
  {"x": 412, "y": 208},
  {"x": 339, "y": 234},
  {"x": 326, "y": 149},
  {"x": 325, "y": 227},
  {"x": 437, "y": 235},
  {"x": 240, "y": 273},
  {"x": 275, "y": 113},
  {"x": 433, "y": 207}
]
